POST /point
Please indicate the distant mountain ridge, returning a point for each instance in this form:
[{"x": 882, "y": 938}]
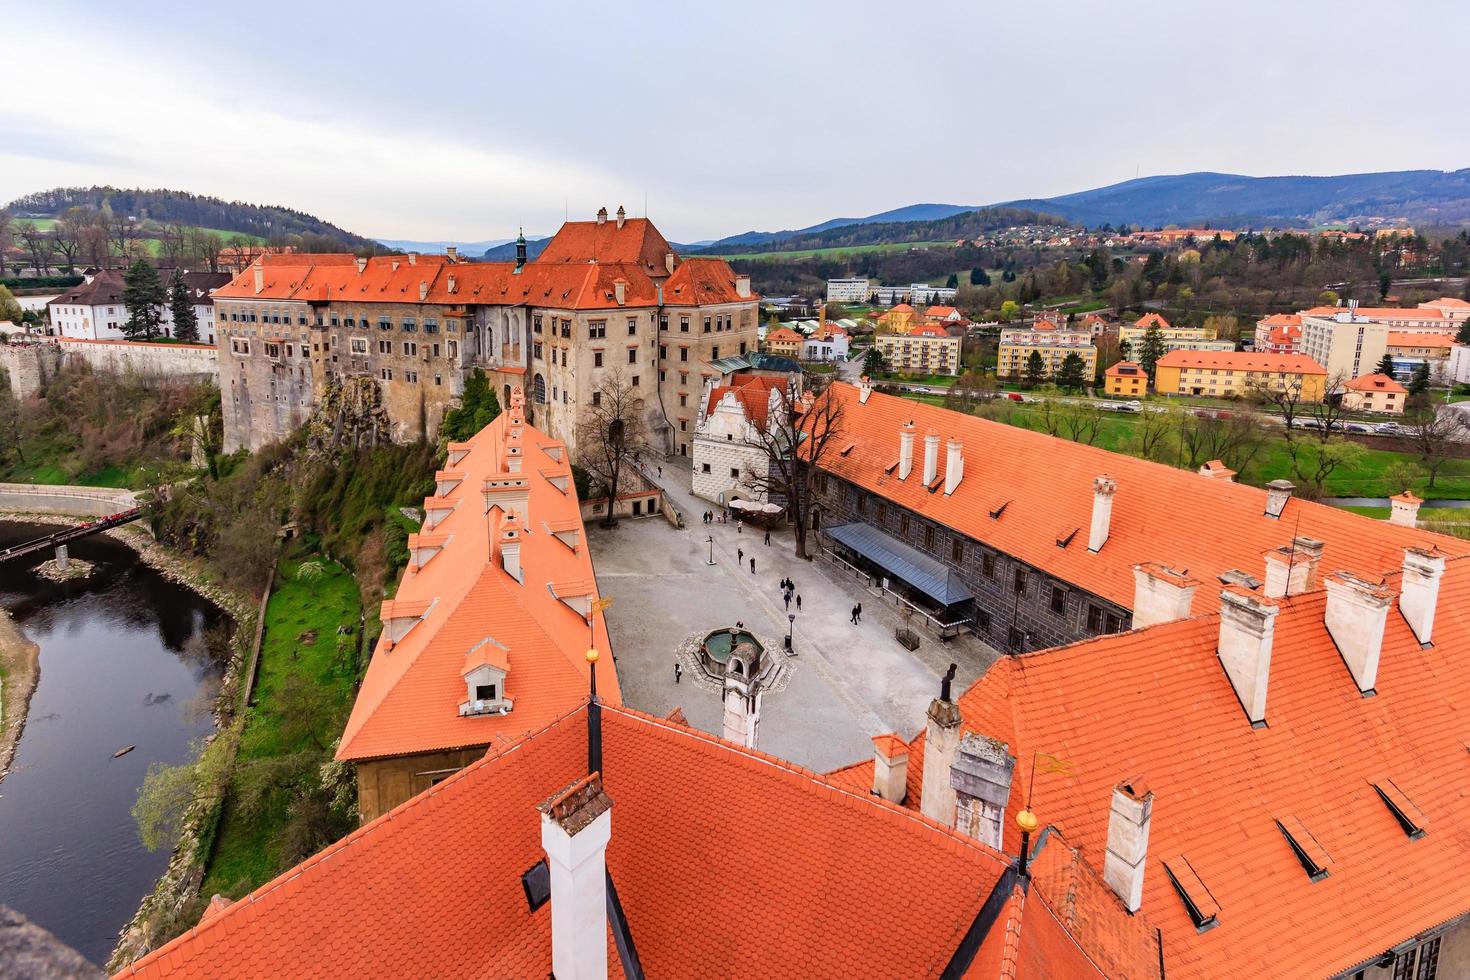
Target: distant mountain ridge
[
  {"x": 170, "y": 206},
  {"x": 440, "y": 244},
  {"x": 963, "y": 224}
]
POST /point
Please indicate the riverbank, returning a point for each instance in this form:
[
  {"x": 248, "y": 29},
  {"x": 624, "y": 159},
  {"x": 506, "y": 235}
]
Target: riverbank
[{"x": 20, "y": 671}]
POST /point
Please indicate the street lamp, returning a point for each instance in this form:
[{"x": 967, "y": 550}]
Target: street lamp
[
  {"x": 791, "y": 619},
  {"x": 711, "y": 540}
]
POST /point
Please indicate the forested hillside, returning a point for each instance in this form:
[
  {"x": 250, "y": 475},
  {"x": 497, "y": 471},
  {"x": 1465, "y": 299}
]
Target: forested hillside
[{"x": 967, "y": 224}]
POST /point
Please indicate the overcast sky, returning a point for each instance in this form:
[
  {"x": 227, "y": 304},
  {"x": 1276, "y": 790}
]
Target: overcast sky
[{"x": 465, "y": 120}]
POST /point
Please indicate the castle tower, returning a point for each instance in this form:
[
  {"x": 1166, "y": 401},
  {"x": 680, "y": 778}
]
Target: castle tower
[{"x": 742, "y": 694}]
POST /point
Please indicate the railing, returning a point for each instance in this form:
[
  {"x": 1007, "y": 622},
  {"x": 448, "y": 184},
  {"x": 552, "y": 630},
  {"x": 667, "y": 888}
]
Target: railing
[{"x": 945, "y": 628}]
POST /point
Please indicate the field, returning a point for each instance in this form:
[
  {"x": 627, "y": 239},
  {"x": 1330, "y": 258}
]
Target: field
[
  {"x": 300, "y": 638},
  {"x": 152, "y": 244}
]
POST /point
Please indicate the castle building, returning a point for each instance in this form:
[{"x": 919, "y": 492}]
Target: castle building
[
  {"x": 606, "y": 298},
  {"x": 730, "y": 451}
]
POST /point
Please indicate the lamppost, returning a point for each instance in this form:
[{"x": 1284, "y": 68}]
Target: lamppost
[
  {"x": 711, "y": 540},
  {"x": 791, "y": 629}
]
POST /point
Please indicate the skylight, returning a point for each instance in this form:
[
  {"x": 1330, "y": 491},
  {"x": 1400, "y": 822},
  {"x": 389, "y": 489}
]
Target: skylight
[{"x": 1409, "y": 816}]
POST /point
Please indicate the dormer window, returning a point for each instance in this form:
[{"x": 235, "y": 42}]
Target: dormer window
[{"x": 485, "y": 668}]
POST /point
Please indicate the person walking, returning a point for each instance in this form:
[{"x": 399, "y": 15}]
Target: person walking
[
  {"x": 739, "y": 526},
  {"x": 788, "y": 600},
  {"x": 660, "y": 472},
  {"x": 798, "y": 603},
  {"x": 768, "y": 537},
  {"x": 858, "y": 613},
  {"x": 739, "y": 555},
  {"x": 752, "y": 566},
  {"x": 678, "y": 671},
  {"x": 852, "y": 615}
]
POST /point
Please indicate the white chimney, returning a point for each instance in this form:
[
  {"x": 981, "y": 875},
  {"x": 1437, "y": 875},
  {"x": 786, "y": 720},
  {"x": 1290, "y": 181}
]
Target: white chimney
[
  {"x": 1278, "y": 492},
  {"x": 905, "y": 450},
  {"x": 890, "y": 767},
  {"x": 602, "y": 216},
  {"x": 620, "y": 287},
  {"x": 413, "y": 258},
  {"x": 450, "y": 283},
  {"x": 1247, "y": 629},
  {"x": 423, "y": 291},
  {"x": 510, "y": 547},
  {"x": 865, "y": 389},
  {"x": 931, "y": 456},
  {"x": 1216, "y": 470},
  {"x": 576, "y": 825},
  {"x": 1128, "y": 823},
  {"x": 1103, "y": 488},
  {"x": 981, "y": 779},
  {"x": 1357, "y": 610},
  {"x": 941, "y": 739},
  {"x": 1405, "y": 509},
  {"x": 1419, "y": 592},
  {"x": 742, "y": 287},
  {"x": 1160, "y": 594},
  {"x": 259, "y": 277},
  {"x": 622, "y": 216},
  {"x": 452, "y": 252},
  {"x": 954, "y": 466},
  {"x": 361, "y": 265},
  {"x": 1292, "y": 569},
  {"x": 669, "y": 262}
]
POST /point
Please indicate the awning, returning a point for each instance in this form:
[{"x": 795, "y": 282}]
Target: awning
[{"x": 929, "y": 575}]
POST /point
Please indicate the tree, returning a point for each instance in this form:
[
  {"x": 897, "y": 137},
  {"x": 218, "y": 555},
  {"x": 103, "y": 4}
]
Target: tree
[
  {"x": 38, "y": 243},
  {"x": 796, "y": 442},
  {"x": 65, "y": 238},
  {"x": 1329, "y": 410},
  {"x": 1234, "y": 440},
  {"x": 1314, "y": 462},
  {"x": 9, "y": 308},
  {"x": 1419, "y": 383},
  {"x": 186, "y": 324},
  {"x": 610, "y": 436},
  {"x": 1463, "y": 336},
  {"x": 1035, "y": 369},
  {"x": 953, "y": 281},
  {"x": 1071, "y": 377},
  {"x": 1385, "y": 364},
  {"x": 168, "y": 791},
  {"x": 1081, "y": 422},
  {"x": 7, "y": 235},
  {"x": 1150, "y": 350},
  {"x": 1152, "y": 433},
  {"x": 873, "y": 363},
  {"x": 1328, "y": 297},
  {"x": 1285, "y": 398},
  {"x": 477, "y": 408},
  {"x": 1009, "y": 310},
  {"x": 1433, "y": 431},
  {"x": 143, "y": 295},
  {"x": 1385, "y": 281},
  {"x": 978, "y": 277}
]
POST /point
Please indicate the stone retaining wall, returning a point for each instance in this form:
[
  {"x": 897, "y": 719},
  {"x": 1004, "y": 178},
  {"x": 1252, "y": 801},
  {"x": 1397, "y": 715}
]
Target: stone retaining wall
[
  {"x": 34, "y": 498},
  {"x": 29, "y": 366}
]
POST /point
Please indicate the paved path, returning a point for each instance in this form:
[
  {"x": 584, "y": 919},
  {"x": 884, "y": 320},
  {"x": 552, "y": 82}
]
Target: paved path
[{"x": 848, "y": 682}]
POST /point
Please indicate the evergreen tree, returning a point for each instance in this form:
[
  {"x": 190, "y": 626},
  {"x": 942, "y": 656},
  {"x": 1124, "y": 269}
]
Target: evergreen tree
[
  {"x": 979, "y": 277},
  {"x": 1385, "y": 366},
  {"x": 1150, "y": 351},
  {"x": 186, "y": 324},
  {"x": 953, "y": 281},
  {"x": 1071, "y": 375},
  {"x": 1385, "y": 282},
  {"x": 1463, "y": 336},
  {"x": 873, "y": 362},
  {"x": 1419, "y": 383},
  {"x": 478, "y": 407},
  {"x": 143, "y": 295},
  {"x": 1035, "y": 369}
]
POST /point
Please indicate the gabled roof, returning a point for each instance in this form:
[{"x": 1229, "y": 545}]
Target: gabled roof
[
  {"x": 928, "y": 330},
  {"x": 106, "y": 287},
  {"x": 1375, "y": 382},
  {"x": 433, "y": 888},
  {"x": 940, "y": 311},
  {"x": 637, "y": 243},
  {"x": 1239, "y": 360},
  {"x": 1152, "y": 320},
  {"x": 784, "y": 335},
  {"x": 1155, "y": 515},
  {"x": 1156, "y": 703},
  {"x": 1124, "y": 369},
  {"x": 752, "y": 394},
  {"x": 1283, "y": 320},
  {"x": 409, "y": 699},
  {"x": 703, "y": 282}
]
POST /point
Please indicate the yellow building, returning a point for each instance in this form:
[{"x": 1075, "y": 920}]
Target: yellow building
[
  {"x": 1051, "y": 342},
  {"x": 927, "y": 349},
  {"x": 1227, "y": 374},
  {"x": 1125, "y": 378},
  {"x": 783, "y": 341},
  {"x": 1374, "y": 393},
  {"x": 900, "y": 319},
  {"x": 1174, "y": 338}
]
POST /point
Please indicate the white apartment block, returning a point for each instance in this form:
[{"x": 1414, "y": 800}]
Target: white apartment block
[
  {"x": 918, "y": 294},
  {"x": 1346, "y": 345},
  {"x": 848, "y": 290}
]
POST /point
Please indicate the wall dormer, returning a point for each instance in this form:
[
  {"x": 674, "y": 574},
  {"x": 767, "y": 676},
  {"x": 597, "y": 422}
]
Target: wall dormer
[
  {"x": 457, "y": 452},
  {"x": 577, "y": 595},
  {"x": 485, "y": 669},
  {"x": 436, "y": 509},
  {"x": 445, "y": 481},
  {"x": 423, "y": 547},
  {"x": 400, "y": 616}
]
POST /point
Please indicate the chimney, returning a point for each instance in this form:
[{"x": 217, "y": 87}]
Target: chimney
[
  {"x": 1419, "y": 591},
  {"x": 450, "y": 283},
  {"x": 452, "y": 252},
  {"x": 602, "y": 216},
  {"x": 941, "y": 739},
  {"x": 1292, "y": 569},
  {"x": 890, "y": 767},
  {"x": 413, "y": 258},
  {"x": 1278, "y": 492},
  {"x": 361, "y": 265},
  {"x": 1216, "y": 470},
  {"x": 1247, "y": 628},
  {"x": 510, "y": 547},
  {"x": 954, "y": 466},
  {"x": 931, "y": 456},
  {"x": 742, "y": 286},
  {"x": 622, "y": 216},
  {"x": 1357, "y": 610},
  {"x": 669, "y": 264},
  {"x": 259, "y": 278},
  {"x": 905, "y": 450},
  {"x": 1405, "y": 511},
  {"x": 395, "y": 264},
  {"x": 1103, "y": 488},
  {"x": 423, "y": 291},
  {"x": 865, "y": 389},
  {"x": 576, "y": 825},
  {"x": 980, "y": 777},
  {"x": 620, "y": 290},
  {"x": 1132, "y": 810},
  {"x": 1160, "y": 594}
]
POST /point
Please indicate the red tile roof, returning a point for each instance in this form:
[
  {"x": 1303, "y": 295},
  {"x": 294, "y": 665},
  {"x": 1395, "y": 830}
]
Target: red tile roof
[
  {"x": 754, "y": 399},
  {"x": 637, "y": 243},
  {"x": 1156, "y": 703},
  {"x": 928, "y": 330},
  {"x": 784, "y": 335},
  {"x": 703, "y": 282},
  {"x": 1152, "y": 320},
  {"x": 433, "y": 888},
  {"x": 1375, "y": 382},
  {"x": 1239, "y": 360},
  {"x": 1124, "y": 369},
  {"x": 1156, "y": 509},
  {"x": 1283, "y": 320},
  {"x": 1443, "y": 340},
  {"x": 409, "y": 699}
]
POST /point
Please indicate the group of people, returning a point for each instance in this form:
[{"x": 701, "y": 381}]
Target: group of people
[
  {"x": 723, "y": 517},
  {"x": 788, "y": 592}
]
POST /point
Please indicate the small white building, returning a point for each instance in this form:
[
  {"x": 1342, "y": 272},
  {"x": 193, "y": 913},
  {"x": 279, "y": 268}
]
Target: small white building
[
  {"x": 1459, "y": 365},
  {"x": 94, "y": 310},
  {"x": 829, "y": 344},
  {"x": 729, "y": 461}
]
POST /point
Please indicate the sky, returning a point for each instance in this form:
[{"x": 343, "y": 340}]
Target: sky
[{"x": 451, "y": 120}]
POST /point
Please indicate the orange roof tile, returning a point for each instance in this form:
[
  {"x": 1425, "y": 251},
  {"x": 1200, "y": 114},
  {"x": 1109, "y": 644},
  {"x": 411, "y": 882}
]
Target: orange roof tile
[
  {"x": 1152, "y": 320},
  {"x": 755, "y": 399},
  {"x": 1443, "y": 340},
  {"x": 928, "y": 330},
  {"x": 1283, "y": 320},
  {"x": 636, "y": 243},
  {"x": 1375, "y": 382},
  {"x": 1238, "y": 360},
  {"x": 1155, "y": 514},
  {"x": 409, "y": 699},
  {"x": 784, "y": 335}
]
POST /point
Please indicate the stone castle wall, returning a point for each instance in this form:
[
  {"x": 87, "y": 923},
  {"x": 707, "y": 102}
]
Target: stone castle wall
[{"x": 30, "y": 366}]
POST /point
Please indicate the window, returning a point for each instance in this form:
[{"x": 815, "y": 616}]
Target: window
[
  {"x": 597, "y": 398},
  {"x": 409, "y": 326},
  {"x": 410, "y": 349},
  {"x": 536, "y": 350},
  {"x": 597, "y": 358},
  {"x": 683, "y": 353},
  {"x": 412, "y": 377},
  {"x": 704, "y": 467},
  {"x": 359, "y": 345},
  {"x": 385, "y": 347},
  {"x": 706, "y": 324},
  {"x": 484, "y": 692},
  {"x": 431, "y": 326},
  {"x": 663, "y": 322},
  {"x": 714, "y": 353},
  {"x": 1018, "y": 582},
  {"x": 957, "y": 550},
  {"x": 635, "y": 381},
  {"x": 862, "y": 503},
  {"x": 632, "y": 355},
  {"x": 1428, "y": 960},
  {"x": 384, "y": 323},
  {"x": 1099, "y": 620},
  {"x": 734, "y": 472},
  {"x": 903, "y": 524},
  {"x": 683, "y": 324},
  {"x": 239, "y": 345},
  {"x": 929, "y": 536},
  {"x": 387, "y": 374},
  {"x": 663, "y": 352},
  {"x": 632, "y": 326},
  {"x": 273, "y": 351},
  {"x": 882, "y": 511},
  {"x": 563, "y": 357},
  {"x": 596, "y": 329},
  {"x": 683, "y": 400},
  {"x": 1058, "y": 599},
  {"x": 538, "y": 390},
  {"x": 536, "y": 323},
  {"x": 566, "y": 328}
]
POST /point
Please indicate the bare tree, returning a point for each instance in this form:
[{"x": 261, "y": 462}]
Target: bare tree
[
  {"x": 173, "y": 243},
  {"x": 1285, "y": 397},
  {"x": 1049, "y": 417},
  {"x": 1081, "y": 422},
  {"x": 120, "y": 232},
  {"x": 797, "y": 441},
  {"x": 7, "y": 236},
  {"x": 239, "y": 250},
  {"x": 67, "y": 241},
  {"x": 612, "y": 432},
  {"x": 1432, "y": 431},
  {"x": 1152, "y": 431},
  {"x": 1313, "y": 462},
  {"x": 1329, "y": 412},
  {"x": 1234, "y": 440},
  {"x": 38, "y": 243},
  {"x": 96, "y": 248}
]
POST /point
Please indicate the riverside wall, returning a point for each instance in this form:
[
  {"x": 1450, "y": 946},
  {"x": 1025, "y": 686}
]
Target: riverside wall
[
  {"x": 30, "y": 365},
  {"x": 35, "y": 498}
]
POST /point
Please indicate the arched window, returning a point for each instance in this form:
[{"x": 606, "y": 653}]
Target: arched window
[
  {"x": 538, "y": 390},
  {"x": 506, "y": 402}
]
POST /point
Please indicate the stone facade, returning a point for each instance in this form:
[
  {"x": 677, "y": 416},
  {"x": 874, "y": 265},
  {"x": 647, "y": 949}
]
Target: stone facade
[
  {"x": 1047, "y": 611},
  {"x": 30, "y": 366},
  {"x": 729, "y": 462}
]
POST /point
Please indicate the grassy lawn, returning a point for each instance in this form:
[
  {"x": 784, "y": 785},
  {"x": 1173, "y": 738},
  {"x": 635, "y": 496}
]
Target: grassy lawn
[
  {"x": 301, "y": 623},
  {"x": 938, "y": 380}
]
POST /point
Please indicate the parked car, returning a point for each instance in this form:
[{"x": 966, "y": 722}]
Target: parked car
[
  {"x": 1309, "y": 423},
  {"x": 1134, "y": 406},
  {"x": 1356, "y": 427},
  {"x": 1390, "y": 429},
  {"x": 1015, "y": 396}
]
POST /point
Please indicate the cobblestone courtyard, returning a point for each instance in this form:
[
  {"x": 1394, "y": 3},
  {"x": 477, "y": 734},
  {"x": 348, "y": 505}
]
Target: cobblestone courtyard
[{"x": 845, "y": 684}]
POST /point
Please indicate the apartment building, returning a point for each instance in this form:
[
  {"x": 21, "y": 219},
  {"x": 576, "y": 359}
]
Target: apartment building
[
  {"x": 783, "y": 342},
  {"x": 1410, "y": 351},
  {"x": 1052, "y": 342},
  {"x": 1375, "y": 393},
  {"x": 1279, "y": 333},
  {"x": 1346, "y": 345},
  {"x": 606, "y": 297},
  {"x": 1126, "y": 378},
  {"x": 1174, "y": 338},
  {"x": 1229, "y": 374},
  {"x": 926, "y": 349},
  {"x": 848, "y": 290}
]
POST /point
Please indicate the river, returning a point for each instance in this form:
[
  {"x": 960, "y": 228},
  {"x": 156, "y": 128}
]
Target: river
[{"x": 123, "y": 662}]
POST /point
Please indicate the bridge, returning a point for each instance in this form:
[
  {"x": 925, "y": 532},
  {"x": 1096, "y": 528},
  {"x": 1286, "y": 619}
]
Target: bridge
[{"x": 60, "y": 539}]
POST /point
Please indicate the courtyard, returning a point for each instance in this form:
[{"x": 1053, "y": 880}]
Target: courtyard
[{"x": 845, "y": 683}]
